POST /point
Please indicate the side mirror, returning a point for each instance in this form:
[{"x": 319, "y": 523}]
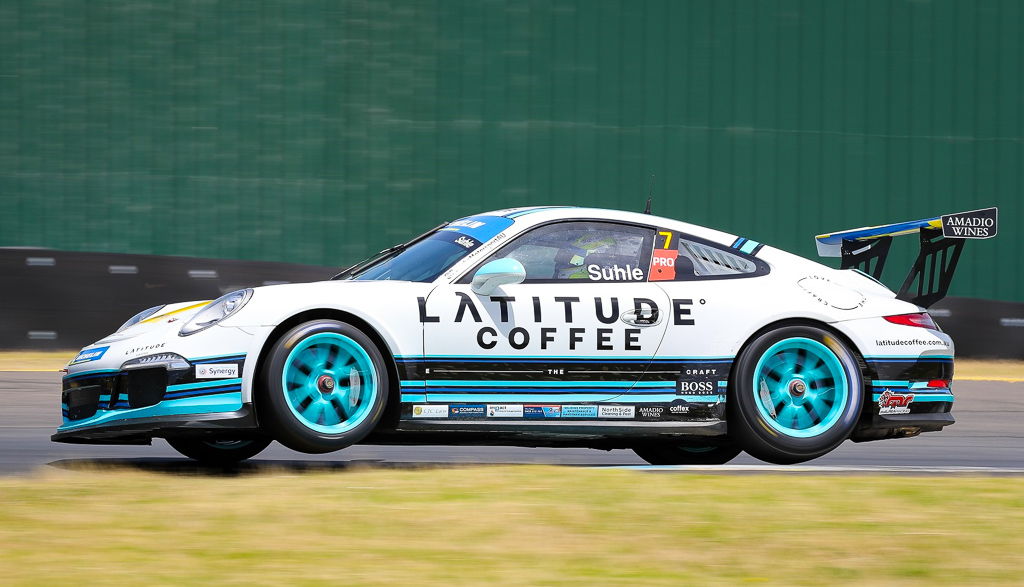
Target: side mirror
[{"x": 497, "y": 273}]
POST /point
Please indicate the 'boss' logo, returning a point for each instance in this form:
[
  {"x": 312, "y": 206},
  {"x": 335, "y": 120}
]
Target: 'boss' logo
[{"x": 696, "y": 387}]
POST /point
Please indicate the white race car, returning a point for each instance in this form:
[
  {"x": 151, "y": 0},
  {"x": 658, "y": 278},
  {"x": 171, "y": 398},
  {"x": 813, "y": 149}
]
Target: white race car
[{"x": 545, "y": 326}]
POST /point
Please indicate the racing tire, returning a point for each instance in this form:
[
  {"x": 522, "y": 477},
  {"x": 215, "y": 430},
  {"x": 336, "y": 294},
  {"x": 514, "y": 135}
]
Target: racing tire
[
  {"x": 219, "y": 452},
  {"x": 688, "y": 455},
  {"x": 796, "y": 394},
  {"x": 324, "y": 386}
]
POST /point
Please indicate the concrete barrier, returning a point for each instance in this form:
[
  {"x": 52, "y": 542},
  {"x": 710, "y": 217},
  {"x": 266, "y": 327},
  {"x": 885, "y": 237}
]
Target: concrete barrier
[{"x": 52, "y": 299}]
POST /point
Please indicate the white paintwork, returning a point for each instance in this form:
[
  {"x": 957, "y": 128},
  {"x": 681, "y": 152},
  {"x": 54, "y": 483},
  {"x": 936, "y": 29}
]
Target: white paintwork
[{"x": 725, "y": 312}]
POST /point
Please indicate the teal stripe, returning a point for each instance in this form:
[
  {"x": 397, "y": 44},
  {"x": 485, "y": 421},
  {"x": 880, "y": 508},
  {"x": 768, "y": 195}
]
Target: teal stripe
[
  {"x": 93, "y": 372},
  {"x": 906, "y": 384},
  {"x": 883, "y": 358},
  {"x": 925, "y": 397},
  {"x": 217, "y": 356},
  {"x": 533, "y": 210},
  {"x": 749, "y": 246},
  {"x": 494, "y": 383},
  {"x": 204, "y": 384}
]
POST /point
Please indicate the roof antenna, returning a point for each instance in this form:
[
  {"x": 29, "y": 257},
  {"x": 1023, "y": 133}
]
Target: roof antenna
[{"x": 647, "y": 209}]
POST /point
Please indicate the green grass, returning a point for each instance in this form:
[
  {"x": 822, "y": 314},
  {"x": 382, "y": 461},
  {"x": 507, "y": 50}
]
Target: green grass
[{"x": 509, "y": 526}]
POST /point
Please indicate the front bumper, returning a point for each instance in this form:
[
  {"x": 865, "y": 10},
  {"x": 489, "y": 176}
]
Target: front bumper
[
  {"x": 133, "y": 406},
  {"x": 237, "y": 424}
]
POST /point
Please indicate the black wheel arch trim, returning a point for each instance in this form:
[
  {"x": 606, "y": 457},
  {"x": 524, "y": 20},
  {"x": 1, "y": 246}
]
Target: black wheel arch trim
[
  {"x": 392, "y": 412},
  {"x": 862, "y": 365}
]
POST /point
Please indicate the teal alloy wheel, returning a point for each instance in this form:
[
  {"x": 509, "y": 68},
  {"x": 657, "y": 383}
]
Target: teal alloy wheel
[
  {"x": 324, "y": 387},
  {"x": 800, "y": 387},
  {"x": 330, "y": 382},
  {"x": 795, "y": 394}
]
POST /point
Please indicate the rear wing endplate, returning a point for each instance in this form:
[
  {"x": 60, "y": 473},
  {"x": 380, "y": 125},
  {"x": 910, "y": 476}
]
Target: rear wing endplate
[{"x": 942, "y": 240}]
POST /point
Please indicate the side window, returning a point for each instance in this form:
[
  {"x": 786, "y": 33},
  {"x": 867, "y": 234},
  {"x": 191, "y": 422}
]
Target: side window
[
  {"x": 678, "y": 258},
  {"x": 582, "y": 252}
]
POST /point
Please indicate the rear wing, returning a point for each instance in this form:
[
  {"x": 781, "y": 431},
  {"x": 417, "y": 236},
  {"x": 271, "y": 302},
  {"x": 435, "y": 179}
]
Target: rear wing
[{"x": 942, "y": 239}]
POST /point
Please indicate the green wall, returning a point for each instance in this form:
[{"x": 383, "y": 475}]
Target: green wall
[{"x": 318, "y": 132}]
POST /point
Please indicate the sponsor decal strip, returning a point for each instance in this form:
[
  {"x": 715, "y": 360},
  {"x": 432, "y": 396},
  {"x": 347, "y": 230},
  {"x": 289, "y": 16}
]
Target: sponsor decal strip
[
  {"x": 489, "y": 411},
  {"x": 216, "y": 370},
  {"x": 550, "y": 398},
  {"x": 90, "y": 354}
]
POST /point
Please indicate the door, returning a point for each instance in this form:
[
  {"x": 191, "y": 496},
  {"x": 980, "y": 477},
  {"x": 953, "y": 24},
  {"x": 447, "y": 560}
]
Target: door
[{"x": 580, "y": 330}]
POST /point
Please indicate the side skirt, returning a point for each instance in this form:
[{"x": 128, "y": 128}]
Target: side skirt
[{"x": 607, "y": 435}]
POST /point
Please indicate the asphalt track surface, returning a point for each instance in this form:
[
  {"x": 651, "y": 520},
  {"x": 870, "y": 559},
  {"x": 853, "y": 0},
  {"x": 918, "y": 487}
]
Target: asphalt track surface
[{"x": 988, "y": 437}]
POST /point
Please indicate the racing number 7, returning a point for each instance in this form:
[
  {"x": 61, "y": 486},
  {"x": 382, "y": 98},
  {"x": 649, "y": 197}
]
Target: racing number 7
[{"x": 668, "y": 238}]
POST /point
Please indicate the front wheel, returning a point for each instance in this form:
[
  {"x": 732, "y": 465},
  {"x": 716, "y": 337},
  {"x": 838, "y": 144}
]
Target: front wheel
[
  {"x": 324, "y": 387},
  {"x": 688, "y": 455},
  {"x": 795, "y": 395},
  {"x": 219, "y": 452}
]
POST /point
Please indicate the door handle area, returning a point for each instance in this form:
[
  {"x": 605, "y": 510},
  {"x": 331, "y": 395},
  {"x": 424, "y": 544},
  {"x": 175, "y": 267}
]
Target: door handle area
[{"x": 643, "y": 319}]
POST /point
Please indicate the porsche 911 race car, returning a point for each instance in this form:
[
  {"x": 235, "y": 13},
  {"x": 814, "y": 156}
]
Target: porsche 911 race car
[{"x": 546, "y": 326}]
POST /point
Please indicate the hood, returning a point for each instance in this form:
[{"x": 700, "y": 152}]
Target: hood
[{"x": 171, "y": 316}]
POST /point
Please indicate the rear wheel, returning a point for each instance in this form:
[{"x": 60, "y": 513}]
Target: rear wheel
[
  {"x": 219, "y": 452},
  {"x": 796, "y": 394},
  {"x": 688, "y": 455},
  {"x": 325, "y": 387}
]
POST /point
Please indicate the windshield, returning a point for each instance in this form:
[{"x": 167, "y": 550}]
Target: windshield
[{"x": 426, "y": 258}]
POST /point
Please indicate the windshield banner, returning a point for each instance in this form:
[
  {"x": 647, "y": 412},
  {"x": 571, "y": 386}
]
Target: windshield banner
[{"x": 481, "y": 228}]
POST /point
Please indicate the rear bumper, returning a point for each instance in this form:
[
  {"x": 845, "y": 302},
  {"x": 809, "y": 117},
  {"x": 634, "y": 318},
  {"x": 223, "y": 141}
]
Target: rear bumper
[
  {"x": 899, "y": 400},
  {"x": 240, "y": 424}
]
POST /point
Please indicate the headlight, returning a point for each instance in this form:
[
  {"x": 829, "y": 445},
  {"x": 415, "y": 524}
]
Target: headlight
[
  {"x": 139, "y": 318},
  {"x": 216, "y": 311},
  {"x": 169, "y": 361}
]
